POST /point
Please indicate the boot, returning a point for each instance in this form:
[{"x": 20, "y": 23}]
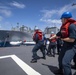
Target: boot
[
  {"x": 73, "y": 66},
  {"x": 59, "y": 71},
  {"x": 33, "y": 61},
  {"x": 43, "y": 57}
]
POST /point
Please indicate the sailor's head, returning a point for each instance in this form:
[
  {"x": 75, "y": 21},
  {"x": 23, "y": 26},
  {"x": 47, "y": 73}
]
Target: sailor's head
[{"x": 65, "y": 16}]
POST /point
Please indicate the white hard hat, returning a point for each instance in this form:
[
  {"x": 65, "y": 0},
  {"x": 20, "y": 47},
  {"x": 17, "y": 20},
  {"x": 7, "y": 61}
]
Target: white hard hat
[{"x": 36, "y": 28}]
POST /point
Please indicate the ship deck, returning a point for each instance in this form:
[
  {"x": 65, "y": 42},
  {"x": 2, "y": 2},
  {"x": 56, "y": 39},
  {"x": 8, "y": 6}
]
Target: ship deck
[{"x": 16, "y": 61}]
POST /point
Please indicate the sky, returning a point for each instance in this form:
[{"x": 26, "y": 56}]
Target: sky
[{"x": 31, "y": 13}]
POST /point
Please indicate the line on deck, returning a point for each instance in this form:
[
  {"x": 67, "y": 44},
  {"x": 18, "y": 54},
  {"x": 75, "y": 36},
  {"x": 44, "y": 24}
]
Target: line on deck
[{"x": 26, "y": 68}]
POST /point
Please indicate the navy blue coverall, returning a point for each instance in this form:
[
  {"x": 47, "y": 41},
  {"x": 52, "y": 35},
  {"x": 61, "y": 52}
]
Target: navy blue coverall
[
  {"x": 39, "y": 45},
  {"x": 68, "y": 51}
]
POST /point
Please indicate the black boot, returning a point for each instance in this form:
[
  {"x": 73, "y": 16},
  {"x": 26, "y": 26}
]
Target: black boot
[
  {"x": 33, "y": 61},
  {"x": 59, "y": 71},
  {"x": 43, "y": 57},
  {"x": 73, "y": 66},
  {"x": 53, "y": 55}
]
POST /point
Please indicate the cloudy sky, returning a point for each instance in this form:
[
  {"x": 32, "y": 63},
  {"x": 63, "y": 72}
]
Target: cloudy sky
[{"x": 41, "y": 13}]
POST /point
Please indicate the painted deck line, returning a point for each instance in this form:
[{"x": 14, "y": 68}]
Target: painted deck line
[
  {"x": 2, "y": 57},
  {"x": 26, "y": 68}
]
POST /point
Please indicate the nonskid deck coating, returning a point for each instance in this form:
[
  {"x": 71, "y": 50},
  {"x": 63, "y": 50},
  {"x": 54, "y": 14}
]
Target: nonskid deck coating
[{"x": 24, "y": 53}]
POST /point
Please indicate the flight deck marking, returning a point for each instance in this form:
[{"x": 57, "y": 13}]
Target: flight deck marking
[{"x": 22, "y": 64}]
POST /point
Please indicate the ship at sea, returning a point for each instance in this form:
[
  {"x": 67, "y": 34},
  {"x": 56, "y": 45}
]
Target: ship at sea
[
  {"x": 21, "y": 35},
  {"x": 16, "y": 34}
]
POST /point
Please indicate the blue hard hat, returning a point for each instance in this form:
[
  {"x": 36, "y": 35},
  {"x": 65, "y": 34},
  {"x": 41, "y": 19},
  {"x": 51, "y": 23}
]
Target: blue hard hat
[{"x": 66, "y": 15}]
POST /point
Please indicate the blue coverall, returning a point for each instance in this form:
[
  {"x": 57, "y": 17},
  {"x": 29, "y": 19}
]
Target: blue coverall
[{"x": 68, "y": 51}]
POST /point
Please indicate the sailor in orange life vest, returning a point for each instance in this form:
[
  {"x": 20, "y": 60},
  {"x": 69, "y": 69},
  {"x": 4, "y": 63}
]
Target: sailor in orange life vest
[
  {"x": 67, "y": 34},
  {"x": 38, "y": 38},
  {"x": 52, "y": 46}
]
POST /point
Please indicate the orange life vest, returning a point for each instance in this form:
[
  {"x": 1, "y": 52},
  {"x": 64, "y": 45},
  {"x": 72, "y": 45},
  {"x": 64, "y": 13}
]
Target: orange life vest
[
  {"x": 39, "y": 33},
  {"x": 53, "y": 40},
  {"x": 64, "y": 27}
]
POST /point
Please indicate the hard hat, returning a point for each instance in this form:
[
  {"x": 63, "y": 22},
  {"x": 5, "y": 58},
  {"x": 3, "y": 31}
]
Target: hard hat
[
  {"x": 66, "y": 15},
  {"x": 36, "y": 28}
]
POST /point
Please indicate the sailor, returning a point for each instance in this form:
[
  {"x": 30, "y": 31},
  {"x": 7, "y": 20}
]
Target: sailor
[
  {"x": 67, "y": 34},
  {"x": 38, "y": 38},
  {"x": 45, "y": 42},
  {"x": 52, "y": 46}
]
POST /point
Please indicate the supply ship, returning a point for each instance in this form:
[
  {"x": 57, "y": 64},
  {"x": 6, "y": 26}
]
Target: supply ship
[{"x": 16, "y": 35}]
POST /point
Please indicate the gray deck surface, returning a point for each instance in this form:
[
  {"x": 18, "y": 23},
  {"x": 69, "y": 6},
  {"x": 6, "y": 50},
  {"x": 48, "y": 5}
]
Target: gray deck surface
[{"x": 9, "y": 67}]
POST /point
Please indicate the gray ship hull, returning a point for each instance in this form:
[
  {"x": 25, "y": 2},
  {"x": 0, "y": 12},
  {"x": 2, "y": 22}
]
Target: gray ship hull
[{"x": 15, "y": 35}]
